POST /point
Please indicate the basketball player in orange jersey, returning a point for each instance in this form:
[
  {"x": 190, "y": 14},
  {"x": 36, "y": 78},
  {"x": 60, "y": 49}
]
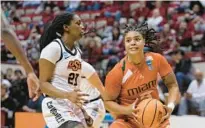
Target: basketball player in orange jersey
[
  {"x": 14, "y": 46},
  {"x": 135, "y": 75}
]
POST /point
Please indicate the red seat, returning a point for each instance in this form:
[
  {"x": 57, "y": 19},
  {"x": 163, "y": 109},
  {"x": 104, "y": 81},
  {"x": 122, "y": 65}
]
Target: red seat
[
  {"x": 30, "y": 10},
  {"x": 20, "y": 12},
  {"x": 37, "y": 18},
  {"x": 95, "y": 14},
  {"x": 101, "y": 23},
  {"x": 195, "y": 56},
  {"x": 26, "y": 19},
  {"x": 85, "y": 15}
]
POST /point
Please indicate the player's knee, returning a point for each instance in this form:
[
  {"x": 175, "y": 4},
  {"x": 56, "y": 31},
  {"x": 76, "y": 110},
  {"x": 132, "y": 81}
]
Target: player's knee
[{"x": 72, "y": 124}]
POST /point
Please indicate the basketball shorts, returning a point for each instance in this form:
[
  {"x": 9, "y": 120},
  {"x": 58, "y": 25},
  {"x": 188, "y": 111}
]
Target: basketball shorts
[
  {"x": 96, "y": 111},
  {"x": 58, "y": 111}
]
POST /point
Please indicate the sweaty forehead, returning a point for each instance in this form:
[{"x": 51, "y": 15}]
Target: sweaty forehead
[{"x": 132, "y": 34}]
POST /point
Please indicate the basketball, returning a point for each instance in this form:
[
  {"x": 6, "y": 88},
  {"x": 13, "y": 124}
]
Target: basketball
[{"x": 151, "y": 112}]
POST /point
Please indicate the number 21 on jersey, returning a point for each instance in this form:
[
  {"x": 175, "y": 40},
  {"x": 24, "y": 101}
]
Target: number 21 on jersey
[
  {"x": 74, "y": 65},
  {"x": 73, "y": 79}
]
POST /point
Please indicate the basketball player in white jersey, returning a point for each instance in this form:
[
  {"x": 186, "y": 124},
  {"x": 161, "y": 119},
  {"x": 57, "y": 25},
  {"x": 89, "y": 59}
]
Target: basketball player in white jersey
[
  {"x": 95, "y": 107},
  {"x": 14, "y": 46},
  {"x": 61, "y": 69}
]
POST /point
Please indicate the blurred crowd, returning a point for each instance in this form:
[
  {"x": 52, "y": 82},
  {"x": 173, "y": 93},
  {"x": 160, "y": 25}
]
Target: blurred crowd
[{"x": 181, "y": 28}]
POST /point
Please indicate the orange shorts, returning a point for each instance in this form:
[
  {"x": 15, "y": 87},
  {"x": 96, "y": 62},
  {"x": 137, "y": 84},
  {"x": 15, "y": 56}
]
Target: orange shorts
[{"x": 120, "y": 123}]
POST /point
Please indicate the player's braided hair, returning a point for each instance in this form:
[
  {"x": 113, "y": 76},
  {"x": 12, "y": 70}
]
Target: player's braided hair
[
  {"x": 149, "y": 35},
  {"x": 55, "y": 29}
]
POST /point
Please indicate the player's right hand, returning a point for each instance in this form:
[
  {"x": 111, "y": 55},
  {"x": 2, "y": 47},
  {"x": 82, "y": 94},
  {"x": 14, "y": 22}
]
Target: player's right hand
[
  {"x": 77, "y": 97},
  {"x": 33, "y": 86}
]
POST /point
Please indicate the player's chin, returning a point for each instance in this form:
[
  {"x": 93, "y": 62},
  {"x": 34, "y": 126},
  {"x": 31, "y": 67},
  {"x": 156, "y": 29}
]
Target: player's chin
[{"x": 133, "y": 52}]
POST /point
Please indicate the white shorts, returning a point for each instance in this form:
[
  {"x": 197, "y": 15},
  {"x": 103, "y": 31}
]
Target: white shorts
[
  {"x": 58, "y": 111},
  {"x": 96, "y": 111}
]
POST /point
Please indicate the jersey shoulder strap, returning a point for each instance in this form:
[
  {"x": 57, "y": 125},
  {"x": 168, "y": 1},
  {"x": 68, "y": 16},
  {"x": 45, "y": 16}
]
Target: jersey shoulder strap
[{"x": 56, "y": 40}]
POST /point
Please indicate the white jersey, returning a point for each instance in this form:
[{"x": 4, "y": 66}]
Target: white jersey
[
  {"x": 69, "y": 68},
  {"x": 68, "y": 65}
]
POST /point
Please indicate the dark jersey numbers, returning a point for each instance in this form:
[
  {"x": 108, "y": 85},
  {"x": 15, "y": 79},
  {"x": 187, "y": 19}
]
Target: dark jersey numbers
[{"x": 73, "y": 79}]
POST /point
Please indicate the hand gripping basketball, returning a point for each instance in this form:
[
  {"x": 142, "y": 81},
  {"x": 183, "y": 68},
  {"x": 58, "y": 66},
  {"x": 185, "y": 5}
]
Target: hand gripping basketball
[
  {"x": 149, "y": 113},
  {"x": 135, "y": 119}
]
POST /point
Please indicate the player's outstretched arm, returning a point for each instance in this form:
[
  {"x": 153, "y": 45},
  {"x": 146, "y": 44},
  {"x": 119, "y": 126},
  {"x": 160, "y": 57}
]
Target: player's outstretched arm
[{"x": 13, "y": 44}]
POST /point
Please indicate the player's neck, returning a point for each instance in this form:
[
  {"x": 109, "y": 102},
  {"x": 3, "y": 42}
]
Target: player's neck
[
  {"x": 136, "y": 59},
  {"x": 68, "y": 41}
]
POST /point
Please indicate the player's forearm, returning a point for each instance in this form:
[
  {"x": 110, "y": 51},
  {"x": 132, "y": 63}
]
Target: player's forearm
[
  {"x": 115, "y": 108},
  {"x": 52, "y": 91},
  {"x": 174, "y": 94},
  {"x": 171, "y": 83},
  {"x": 14, "y": 46},
  {"x": 95, "y": 81}
]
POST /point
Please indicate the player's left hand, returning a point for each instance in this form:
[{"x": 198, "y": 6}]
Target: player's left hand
[
  {"x": 167, "y": 116},
  {"x": 33, "y": 86}
]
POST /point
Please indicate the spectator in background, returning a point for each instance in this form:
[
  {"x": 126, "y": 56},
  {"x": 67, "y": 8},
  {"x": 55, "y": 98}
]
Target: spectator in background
[
  {"x": 155, "y": 20},
  {"x": 4, "y": 53},
  {"x": 50, "y": 4},
  {"x": 194, "y": 98},
  {"x": 184, "y": 37},
  {"x": 182, "y": 69},
  {"x": 93, "y": 48},
  {"x": 110, "y": 64},
  {"x": 142, "y": 12},
  {"x": 8, "y": 104},
  {"x": 33, "y": 47},
  {"x": 162, "y": 6},
  {"x": 167, "y": 37},
  {"x": 197, "y": 7},
  {"x": 23, "y": 32},
  {"x": 113, "y": 42},
  {"x": 9, "y": 74},
  {"x": 19, "y": 90},
  {"x": 47, "y": 14},
  {"x": 56, "y": 11}
]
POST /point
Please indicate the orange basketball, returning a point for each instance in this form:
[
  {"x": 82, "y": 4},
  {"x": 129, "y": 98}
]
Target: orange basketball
[{"x": 151, "y": 112}]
